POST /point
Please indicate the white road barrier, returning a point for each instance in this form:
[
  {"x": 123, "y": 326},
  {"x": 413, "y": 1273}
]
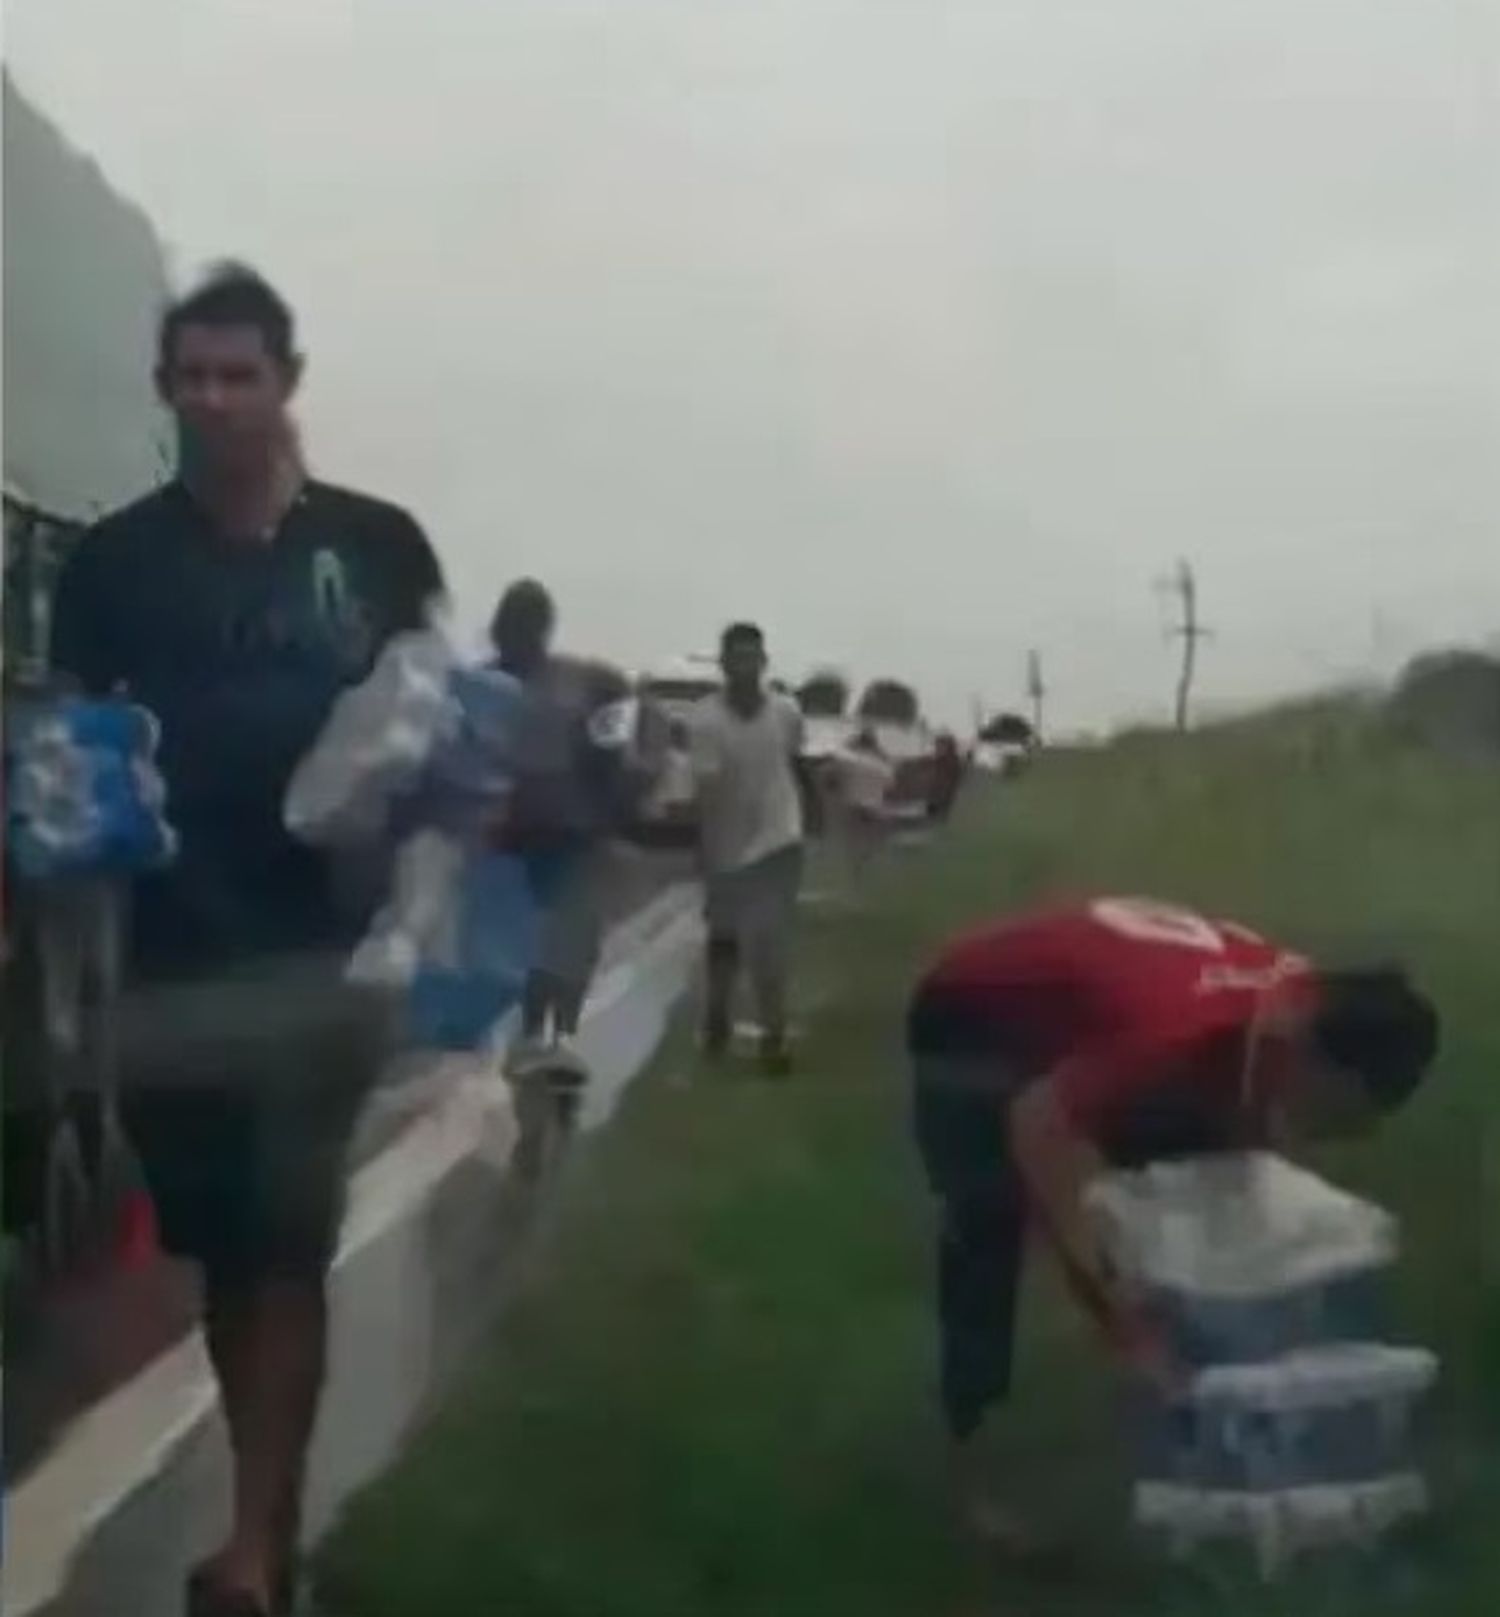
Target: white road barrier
[{"x": 135, "y": 1489}]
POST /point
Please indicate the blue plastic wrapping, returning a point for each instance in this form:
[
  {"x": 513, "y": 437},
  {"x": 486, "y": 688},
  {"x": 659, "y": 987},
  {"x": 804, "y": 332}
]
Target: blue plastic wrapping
[
  {"x": 376, "y": 745},
  {"x": 83, "y": 794},
  {"x": 1206, "y": 1330},
  {"x": 461, "y": 987},
  {"x": 1299, "y": 1421},
  {"x": 475, "y": 757},
  {"x": 1334, "y": 1416},
  {"x": 425, "y": 755}
]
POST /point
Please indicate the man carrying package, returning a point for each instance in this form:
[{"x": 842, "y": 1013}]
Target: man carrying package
[
  {"x": 865, "y": 777},
  {"x": 237, "y": 603},
  {"x": 575, "y": 790},
  {"x": 1116, "y": 1032}
]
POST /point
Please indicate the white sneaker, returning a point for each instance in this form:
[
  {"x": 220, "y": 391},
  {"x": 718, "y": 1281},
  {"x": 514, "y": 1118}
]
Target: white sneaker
[
  {"x": 566, "y": 1058},
  {"x": 526, "y": 1056}
]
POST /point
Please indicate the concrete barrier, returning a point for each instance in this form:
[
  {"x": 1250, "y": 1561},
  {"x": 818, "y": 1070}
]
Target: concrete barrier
[{"x": 135, "y": 1490}]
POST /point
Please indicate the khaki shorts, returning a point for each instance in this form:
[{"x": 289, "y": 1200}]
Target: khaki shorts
[{"x": 756, "y": 905}]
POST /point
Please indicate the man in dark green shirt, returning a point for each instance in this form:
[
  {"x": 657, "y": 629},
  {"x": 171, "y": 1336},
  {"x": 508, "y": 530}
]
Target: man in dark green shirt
[{"x": 236, "y": 603}]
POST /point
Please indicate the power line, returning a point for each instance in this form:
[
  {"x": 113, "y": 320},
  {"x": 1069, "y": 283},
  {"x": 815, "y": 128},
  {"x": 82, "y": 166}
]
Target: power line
[
  {"x": 1036, "y": 690},
  {"x": 1190, "y": 631}
]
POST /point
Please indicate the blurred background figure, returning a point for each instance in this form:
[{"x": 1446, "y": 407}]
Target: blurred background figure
[
  {"x": 862, "y": 779},
  {"x": 948, "y": 767},
  {"x": 751, "y": 785},
  {"x": 577, "y": 788}
]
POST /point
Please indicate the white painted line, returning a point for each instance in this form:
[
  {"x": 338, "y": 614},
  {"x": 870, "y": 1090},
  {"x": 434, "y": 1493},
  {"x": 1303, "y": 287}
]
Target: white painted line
[
  {"x": 51, "y": 1515},
  {"x": 119, "y": 1444},
  {"x": 475, "y": 1110}
]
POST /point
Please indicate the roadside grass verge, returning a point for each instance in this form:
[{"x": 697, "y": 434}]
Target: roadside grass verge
[{"x": 713, "y": 1395}]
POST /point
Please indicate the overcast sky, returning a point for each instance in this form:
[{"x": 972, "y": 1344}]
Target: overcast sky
[{"x": 925, "y": 331}]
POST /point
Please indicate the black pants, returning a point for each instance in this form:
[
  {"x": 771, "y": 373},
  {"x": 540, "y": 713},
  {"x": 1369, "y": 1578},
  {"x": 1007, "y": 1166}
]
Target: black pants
[
  {"x": 959, "y": 1122},
  {"x": 962, "y": 1094}
]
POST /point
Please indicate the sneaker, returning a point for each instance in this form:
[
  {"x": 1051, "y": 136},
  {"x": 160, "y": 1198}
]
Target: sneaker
[
  {"x": 564, "y": 1061},
  {"x": 527, "y": 1056}
]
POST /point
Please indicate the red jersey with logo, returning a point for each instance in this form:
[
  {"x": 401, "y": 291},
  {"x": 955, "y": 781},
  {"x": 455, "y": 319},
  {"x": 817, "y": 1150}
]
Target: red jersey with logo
[{"x": 1119, "y": 999}]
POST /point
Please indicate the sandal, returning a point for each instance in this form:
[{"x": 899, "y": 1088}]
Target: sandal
[{"x": 207, "y": 1597}]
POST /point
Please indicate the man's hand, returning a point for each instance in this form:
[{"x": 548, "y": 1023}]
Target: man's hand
[
  {"x": 1130, "y": 1329},
  {"x": 1057, "y": 1164}
]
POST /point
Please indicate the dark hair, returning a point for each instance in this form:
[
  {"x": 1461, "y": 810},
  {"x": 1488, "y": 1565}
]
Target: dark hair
[
  {"x": 1374, "y": 1023},
  {"x": 741, "y": 634},
  {"x": 232, "y": 295},
  {"x": 528, "y": 599}
]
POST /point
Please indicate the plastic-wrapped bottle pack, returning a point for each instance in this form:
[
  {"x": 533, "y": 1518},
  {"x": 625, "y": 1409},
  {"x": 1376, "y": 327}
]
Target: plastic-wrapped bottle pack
[
  {"x": 1340, "y": 1414},
  {"x": 1300, "y": 1424},
  {"x": 425, "y": 755},
  {"x": 83, "y": 793},
  {"x": 376, "y": 744}
]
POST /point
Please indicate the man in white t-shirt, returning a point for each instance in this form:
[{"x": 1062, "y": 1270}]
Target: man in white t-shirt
[{"x": 746, "y": 744}]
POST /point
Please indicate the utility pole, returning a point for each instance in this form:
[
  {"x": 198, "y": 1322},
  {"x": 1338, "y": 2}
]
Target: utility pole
[
  {"x": 1190, "y": 631},
  {"x": 1036, "y": 690}
]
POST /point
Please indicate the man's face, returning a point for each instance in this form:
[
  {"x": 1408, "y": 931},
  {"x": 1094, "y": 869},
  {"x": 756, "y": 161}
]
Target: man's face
[
  {"x": 228, "y": 392},
  {"x": 1327, "y": 1103},
  {"x": 524, "y": 633},
  {"x": 744, "y": 664}
]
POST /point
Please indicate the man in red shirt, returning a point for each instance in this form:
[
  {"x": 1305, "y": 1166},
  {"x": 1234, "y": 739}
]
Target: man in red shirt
[{"x": 1112, "y": 1033}]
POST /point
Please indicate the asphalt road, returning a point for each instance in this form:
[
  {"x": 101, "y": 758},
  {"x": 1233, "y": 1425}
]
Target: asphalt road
[{"x": 69, "y": 1345}]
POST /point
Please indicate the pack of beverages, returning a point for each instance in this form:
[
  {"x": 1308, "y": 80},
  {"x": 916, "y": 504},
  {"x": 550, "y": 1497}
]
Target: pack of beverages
[
  {"x": 426, "y": 755},
  {"x": 1300, "y": 1421},
  {"x": 83, "y": 795},
  {"x": 423, "y": 740},
  {"x": 432, "y": 741}
]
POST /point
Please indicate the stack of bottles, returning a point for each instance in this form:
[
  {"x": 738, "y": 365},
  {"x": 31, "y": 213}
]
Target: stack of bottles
[
  {"x": 1299, "y": 1423},
  {"x": 425, "y": 755},
  {"x": 83, "y": 794},
  {"x": 422, "y": 741}
]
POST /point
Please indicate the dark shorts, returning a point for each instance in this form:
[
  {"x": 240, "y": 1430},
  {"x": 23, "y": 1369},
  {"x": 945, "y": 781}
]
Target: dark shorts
[
  {"x": 572, "y": 926},
  {"x": 240, "y": 1097}
]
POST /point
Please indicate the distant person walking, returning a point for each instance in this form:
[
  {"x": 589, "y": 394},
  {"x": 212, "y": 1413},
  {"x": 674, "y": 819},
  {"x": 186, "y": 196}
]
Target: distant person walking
[
  {"x": 236, "y": 603},
  {"x": 574, "y": 794},
  {"x": 863, "y": 778},
  {"x": 947, "y": 777},
  {"x": 746, "y": 750}
]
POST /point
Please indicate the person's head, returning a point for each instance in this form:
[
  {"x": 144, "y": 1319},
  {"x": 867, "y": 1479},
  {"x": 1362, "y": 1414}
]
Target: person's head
[
  {"x": 226, "y": 367},
  {"x": 742, "y": 657},
  {"x": 1365, "y": 1047},
  {"x": 521, "y": 630}
]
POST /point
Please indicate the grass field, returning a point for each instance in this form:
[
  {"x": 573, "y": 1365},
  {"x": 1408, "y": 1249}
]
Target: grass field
[{"x": 713, "y": 1394}]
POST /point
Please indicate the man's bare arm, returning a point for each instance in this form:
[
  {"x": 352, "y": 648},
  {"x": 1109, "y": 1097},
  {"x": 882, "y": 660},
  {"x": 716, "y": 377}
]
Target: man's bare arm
[{"x": 1057, "y": 1165}]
